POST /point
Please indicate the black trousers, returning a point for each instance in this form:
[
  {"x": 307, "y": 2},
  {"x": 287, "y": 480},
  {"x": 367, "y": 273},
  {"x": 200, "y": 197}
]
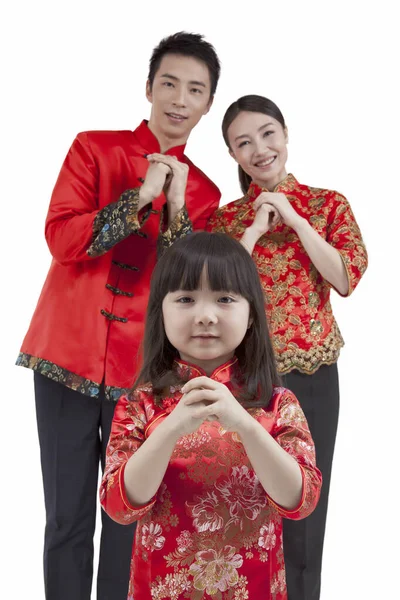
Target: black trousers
[
  {"x": 73, "y": 434},
  {"x": 303, "y": 540}
]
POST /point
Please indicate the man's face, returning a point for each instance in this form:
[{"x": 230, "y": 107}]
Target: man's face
[{"x": 180, "y": 96}]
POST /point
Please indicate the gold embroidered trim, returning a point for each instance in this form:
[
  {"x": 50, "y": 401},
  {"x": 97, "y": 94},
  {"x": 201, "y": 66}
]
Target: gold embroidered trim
[{"x": 308, "y": 361}]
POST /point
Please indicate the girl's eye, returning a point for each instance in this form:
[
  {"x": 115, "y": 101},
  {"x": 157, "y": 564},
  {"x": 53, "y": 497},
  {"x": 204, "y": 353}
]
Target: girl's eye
[
  {"x": 226, "y": 300},
  {"x": 244, "y": 143},
  {"x": 184, "y": 300},
  {"x": 266, "y": 133}
]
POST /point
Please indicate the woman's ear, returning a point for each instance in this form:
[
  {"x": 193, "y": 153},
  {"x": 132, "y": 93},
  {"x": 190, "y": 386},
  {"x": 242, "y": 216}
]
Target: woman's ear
[
  {"x": 250, "y": 323},
  {"x": 286, "y": 135},
  {"x": 232, "y": 154}
]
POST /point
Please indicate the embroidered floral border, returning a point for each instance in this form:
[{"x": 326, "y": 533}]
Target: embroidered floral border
[{"x": 71, "y": 380}]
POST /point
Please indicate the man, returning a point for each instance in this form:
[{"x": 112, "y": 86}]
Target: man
[{"x": 120, "y": 196}]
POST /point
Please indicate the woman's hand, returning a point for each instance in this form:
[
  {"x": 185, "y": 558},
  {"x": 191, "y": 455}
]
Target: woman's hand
[
  {"x": 267, "y": 217},
  {"x": 282, "y": 205},
  {"x": 212, "y": 401}
]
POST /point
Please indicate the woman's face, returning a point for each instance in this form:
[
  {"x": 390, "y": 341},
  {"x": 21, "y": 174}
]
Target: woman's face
[{"x": 258, "y": 144}]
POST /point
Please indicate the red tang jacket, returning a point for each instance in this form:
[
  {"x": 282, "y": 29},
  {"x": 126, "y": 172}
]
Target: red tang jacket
[
  {"x": 89, "y": 320},
  {"x": 211, "y": 530}
]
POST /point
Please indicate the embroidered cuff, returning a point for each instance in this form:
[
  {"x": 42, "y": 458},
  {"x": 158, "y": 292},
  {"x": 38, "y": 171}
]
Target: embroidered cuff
[
  {"x": 180, "y": 226},
  {"x": 115, "y": 222}
]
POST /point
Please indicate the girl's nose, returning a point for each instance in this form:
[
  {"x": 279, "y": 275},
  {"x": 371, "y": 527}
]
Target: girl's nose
[{"x": 206, "y": 316}]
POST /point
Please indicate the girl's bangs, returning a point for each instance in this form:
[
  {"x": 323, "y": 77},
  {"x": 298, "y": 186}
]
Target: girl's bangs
[{"x": 226, "y": 270}]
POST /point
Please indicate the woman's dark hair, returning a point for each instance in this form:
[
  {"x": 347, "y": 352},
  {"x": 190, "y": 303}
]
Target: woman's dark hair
[
  {"x": 187, "y": 44},
  {"x": 252, "y": 103},
  {"x": 230, "y": 268}
]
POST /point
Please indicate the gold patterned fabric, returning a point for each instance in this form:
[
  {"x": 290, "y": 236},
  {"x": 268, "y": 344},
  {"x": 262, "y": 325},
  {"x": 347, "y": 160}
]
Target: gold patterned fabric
[
  {"x": 116, "y": 221},
  {"x": 179, "y": 227},
  {"x": 303, "y": 328},
  {"x": 211, "y": 530}
]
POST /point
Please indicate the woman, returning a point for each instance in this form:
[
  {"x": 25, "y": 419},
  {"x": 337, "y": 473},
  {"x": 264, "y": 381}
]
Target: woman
[{"x": 304, "y": 241}]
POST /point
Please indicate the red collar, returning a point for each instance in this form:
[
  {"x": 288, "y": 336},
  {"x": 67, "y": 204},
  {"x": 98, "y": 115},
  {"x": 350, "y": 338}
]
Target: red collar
[
  {"x": 289, "y": 184},
  {"x": 150, "y": 144},
  {"x": 223, "y": 373}
]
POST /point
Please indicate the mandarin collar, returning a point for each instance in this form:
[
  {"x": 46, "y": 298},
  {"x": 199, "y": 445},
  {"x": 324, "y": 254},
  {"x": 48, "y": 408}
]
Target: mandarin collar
[
  {"x": 285, "y": 186},
  {"x": 224, "y": 373},
  {"x": 150, "y": 143}
]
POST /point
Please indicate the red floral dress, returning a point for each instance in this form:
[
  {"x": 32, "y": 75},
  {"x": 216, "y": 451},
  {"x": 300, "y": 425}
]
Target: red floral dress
[{"x": 211, "y": 531}]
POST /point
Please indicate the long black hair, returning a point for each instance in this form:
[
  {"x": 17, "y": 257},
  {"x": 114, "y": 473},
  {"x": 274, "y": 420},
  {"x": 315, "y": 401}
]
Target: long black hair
[
  {"x": 251, "y": 103},
  {"x": 230, "y": 268}
]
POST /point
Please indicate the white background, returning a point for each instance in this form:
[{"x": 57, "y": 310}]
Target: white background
[{"x": 332, "y": 68}]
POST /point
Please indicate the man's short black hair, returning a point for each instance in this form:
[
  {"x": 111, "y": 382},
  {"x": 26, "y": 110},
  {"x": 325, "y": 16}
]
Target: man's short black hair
[{"x": 187, "y": 44}]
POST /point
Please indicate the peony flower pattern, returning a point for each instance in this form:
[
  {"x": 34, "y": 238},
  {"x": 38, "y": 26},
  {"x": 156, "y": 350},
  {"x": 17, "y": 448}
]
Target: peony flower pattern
[
  {"x": 215, "y": 571},
  {"x": 243, "y": 494},
  {"x": 151, "y": 536},
  {"x": 291, "y": 414},
  {"x": 211, "y": 524},
  {"x": 206, "y": 515},
  {"x": 267, "y": 539}
]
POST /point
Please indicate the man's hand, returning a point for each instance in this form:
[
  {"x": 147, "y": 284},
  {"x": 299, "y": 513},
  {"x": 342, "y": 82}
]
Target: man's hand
[
  {"x": 154, "y": 183},
  {"x": 175, "y": 184}
]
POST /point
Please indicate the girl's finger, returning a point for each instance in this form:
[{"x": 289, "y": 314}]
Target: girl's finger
[
  {"x": 206, "y": 413},
  {"x": 200, "y": 396},
  {"x": 199, "y": 382}
]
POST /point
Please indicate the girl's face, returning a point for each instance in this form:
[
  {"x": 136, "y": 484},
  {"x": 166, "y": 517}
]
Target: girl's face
[
  {"x": 205, "y": 326},
  {"x": 258, "y": 144}
]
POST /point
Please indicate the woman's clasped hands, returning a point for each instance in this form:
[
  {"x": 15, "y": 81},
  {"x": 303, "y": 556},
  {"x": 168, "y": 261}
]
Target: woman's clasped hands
[{"x": 273, "y": 209}]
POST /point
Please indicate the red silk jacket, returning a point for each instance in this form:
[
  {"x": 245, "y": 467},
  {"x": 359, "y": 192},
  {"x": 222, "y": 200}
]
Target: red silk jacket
[
  {"x": 303, "y": 329},
  {"x": 89, "y": 320},
  {"x": 211, "y": 529}
]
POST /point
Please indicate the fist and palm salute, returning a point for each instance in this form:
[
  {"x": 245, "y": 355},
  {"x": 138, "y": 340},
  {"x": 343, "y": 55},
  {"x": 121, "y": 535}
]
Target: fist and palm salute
[{"x": 165, "y": 174}]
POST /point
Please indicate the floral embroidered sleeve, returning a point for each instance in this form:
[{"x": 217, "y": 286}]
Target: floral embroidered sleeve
[
  {"x": 344, "y": 234},
  {"x": 127, "y": 435},
  {"x": 75, "y": 229},
  {"x": 179, "y": 227},
  {"x": 115, "y": 222},
  {"x": 293, "y": 435}
]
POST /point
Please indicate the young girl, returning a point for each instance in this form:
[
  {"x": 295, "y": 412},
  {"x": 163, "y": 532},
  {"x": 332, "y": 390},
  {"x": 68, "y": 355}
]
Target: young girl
[{"x": 207, "y": 453}]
